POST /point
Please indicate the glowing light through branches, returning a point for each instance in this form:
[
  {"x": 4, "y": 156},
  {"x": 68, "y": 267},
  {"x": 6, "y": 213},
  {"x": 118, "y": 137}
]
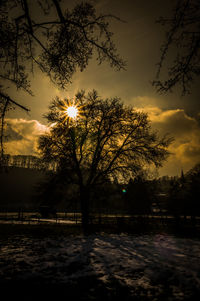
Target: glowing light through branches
[{"x": 72, "y": 112}]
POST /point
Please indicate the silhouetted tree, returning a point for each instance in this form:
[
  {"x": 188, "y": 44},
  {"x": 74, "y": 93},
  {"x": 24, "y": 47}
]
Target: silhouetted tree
[
  {"x": 178, "y": 199},
  {"x": 194, "y": 171},
  {"x": 108, "y": 140},
  {"x": 138, "y": 196},
  {"x": 184, "y": 194},
  {"x": 193, "y": 179},
  {"x": 183, "y": 44},
  {"x": 56, "y": 193},
  {"x": 46, "y": 34}
]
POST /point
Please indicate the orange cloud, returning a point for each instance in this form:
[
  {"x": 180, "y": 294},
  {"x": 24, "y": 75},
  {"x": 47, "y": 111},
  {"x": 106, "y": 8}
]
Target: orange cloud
[
  {"x": 186, "y": 131},
  {"x": 22, "y": 136}
]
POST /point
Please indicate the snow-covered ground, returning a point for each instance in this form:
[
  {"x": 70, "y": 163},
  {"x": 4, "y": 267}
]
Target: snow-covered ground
[{"x": 103, "y": 267}]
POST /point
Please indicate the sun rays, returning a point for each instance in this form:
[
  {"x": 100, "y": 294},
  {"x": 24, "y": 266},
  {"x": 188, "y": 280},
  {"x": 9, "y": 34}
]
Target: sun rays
[{"x": 70, "y": 110}]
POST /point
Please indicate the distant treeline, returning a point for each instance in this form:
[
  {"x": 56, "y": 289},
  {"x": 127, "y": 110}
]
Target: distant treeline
[
  {"x": 27, "y": 185},
  {"x": 26, "y": 161},
  {"x": 176, "y": 196}
]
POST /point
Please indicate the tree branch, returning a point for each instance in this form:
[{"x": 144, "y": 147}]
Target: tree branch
[{"x": 7, "y": 98}]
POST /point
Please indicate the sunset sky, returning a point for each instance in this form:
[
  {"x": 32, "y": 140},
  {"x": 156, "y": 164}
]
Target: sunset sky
[{"x": 138, "y": 41}]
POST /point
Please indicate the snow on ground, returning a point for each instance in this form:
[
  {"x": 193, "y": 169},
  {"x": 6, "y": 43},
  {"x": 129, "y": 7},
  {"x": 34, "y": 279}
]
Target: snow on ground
[{"x": 103, "y": 267}]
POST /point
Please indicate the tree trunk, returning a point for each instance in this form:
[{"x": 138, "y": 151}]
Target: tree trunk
[{"x": 84, "y": 197}]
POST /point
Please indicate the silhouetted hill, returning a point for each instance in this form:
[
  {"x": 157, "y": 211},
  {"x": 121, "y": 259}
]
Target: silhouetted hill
[{"x": 17, "y": 187}]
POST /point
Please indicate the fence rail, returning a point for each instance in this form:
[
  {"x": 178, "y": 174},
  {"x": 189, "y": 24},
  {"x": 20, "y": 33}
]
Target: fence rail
[{"x": 95, "y": 218}]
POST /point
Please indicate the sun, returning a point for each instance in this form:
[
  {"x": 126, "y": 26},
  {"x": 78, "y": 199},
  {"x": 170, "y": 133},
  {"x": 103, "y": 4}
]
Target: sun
[{"x": 72, "y": 111}]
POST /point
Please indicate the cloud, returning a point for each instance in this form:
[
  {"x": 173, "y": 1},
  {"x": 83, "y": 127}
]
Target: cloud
[
  {"x": 186, "y": 133},
  {"x": 22, "y": 136}
]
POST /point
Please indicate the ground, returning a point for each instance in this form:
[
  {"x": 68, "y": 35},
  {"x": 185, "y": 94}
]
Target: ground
[{"x": 100, "y": 266}]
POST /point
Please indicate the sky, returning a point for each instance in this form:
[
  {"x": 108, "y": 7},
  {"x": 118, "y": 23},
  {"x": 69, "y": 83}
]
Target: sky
[{"x": 138, "y": 41}]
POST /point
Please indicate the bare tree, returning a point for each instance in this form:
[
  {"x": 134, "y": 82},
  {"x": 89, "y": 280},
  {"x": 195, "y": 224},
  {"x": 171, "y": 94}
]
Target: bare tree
[
  {"x": 6, "y": 103},
  {"x": 183, "y": 44},
  {"x": 43, "y": 33},
  {"x": 107, "y": 140}
]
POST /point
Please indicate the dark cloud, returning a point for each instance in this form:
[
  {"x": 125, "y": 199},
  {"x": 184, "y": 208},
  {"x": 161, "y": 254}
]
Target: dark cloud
[{"x": 192, "y": 152}]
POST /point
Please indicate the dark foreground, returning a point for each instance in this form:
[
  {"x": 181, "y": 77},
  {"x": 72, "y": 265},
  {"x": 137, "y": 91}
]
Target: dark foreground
[{"x": 50, "y": 262}]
